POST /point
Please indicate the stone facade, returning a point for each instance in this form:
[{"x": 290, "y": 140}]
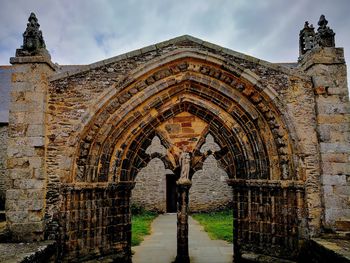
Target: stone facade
[
  {"x": 79, "y": 141},
  {"x": 4, "y": 182}
]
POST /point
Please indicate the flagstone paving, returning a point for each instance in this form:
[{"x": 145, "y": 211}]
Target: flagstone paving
[{"x": 160, "y": 246}]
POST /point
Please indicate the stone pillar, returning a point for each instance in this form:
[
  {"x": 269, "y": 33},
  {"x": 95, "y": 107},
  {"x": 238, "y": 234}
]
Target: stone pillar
[
  {"x": 183, "y": 187},
  {"x": 124, "y": 195},
  {"x": 25, "y": 200},
  {"x": 326, "y": 66}
]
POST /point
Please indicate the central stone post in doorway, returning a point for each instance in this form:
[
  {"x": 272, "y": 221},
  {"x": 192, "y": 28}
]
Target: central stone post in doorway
[{"x": 183, "y": 187}]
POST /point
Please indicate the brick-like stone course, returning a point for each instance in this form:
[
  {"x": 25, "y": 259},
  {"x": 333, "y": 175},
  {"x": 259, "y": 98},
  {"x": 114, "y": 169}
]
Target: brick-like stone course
[{"x": 94, "y": 221}]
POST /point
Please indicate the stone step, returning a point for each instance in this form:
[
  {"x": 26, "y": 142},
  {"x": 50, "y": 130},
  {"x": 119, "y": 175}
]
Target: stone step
[{"x": 343, "y": 224}]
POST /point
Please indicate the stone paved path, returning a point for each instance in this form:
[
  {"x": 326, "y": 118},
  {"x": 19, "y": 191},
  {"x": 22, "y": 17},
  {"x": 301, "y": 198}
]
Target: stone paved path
[{"x": 160, "y": 246}]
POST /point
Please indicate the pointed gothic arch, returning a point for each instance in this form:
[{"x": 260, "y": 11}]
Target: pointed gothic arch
[{"x": 246, "y": 117}]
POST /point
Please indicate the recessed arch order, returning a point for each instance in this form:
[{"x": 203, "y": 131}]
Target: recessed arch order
[{"x": 256, "y": 132}]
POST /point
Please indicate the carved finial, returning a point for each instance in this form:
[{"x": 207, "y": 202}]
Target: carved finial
[
  {"x": 33, "y": 41},
  {"x": 324, "y": 36},
  {"x": 306, "y": 38},
  {"x": 323, "y": 21}
]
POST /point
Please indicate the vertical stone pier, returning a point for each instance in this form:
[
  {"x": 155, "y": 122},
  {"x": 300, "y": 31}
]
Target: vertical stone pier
[
  {"x": 183, "y": 188},
  {"x": 325, "y": 64},
  {"x": 25, "y": 199}
]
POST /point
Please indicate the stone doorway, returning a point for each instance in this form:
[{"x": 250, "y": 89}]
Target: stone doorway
[{"x": 171, "y": 194}]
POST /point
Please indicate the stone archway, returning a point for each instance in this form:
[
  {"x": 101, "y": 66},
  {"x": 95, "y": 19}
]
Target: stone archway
[{"x": 227, "y": 101}]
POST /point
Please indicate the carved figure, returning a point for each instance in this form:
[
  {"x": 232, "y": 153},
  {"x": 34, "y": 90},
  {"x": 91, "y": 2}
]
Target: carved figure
[{"x": 185, "y": 162}]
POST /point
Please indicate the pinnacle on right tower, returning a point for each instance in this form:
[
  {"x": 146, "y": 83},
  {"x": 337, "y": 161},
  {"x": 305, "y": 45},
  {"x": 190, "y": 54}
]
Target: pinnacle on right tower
[{"x": 308, "y": 39}]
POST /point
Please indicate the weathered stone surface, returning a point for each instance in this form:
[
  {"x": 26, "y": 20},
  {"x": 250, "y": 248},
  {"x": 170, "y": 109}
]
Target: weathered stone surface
[
  {"x": 150, "y": 187},
  {"x": 26, "y": 151},
  {"x": 209, "y": 189}
]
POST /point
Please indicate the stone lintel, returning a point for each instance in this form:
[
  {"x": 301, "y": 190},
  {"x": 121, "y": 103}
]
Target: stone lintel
[
  {"x": 184, "y": 183},
  {"x": 33, "y": 60}
]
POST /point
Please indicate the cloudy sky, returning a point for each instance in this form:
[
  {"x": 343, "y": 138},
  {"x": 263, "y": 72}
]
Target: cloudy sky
[{"x": 85, "y": 31}]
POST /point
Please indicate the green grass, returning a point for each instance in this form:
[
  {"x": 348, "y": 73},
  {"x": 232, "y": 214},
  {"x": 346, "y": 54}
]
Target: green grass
[
  {"x": 141, "y": 226},
  {"x": 219, "y": 225}
]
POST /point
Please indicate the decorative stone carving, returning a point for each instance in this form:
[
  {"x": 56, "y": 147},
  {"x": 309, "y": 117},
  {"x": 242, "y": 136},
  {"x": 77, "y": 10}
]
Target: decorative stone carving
[
  {"x": 325, "y": 35},
  {"x": 156, "y": 147},
  {"x": 209, "y": 145},
  {"x": 185, "y": 163},
  {"x": 306, "y": 38},
  {"x": 33, "y": 41}
]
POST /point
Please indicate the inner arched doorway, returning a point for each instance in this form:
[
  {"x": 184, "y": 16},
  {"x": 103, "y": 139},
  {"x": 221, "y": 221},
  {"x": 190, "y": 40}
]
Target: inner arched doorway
[{"x": 202, "y": 95}]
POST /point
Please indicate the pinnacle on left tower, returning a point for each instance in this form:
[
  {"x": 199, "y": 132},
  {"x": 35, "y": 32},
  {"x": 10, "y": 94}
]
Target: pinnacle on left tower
[
  {"x": 33, "y": 41},
  {"x": 26, "y": 196}
]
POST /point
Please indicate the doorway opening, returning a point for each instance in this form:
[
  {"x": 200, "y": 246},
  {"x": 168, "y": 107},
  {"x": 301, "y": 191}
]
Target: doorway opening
[{"x": 171, "y": 194}]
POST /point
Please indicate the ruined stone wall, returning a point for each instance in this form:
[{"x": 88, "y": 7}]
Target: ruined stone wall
[
  {"x": 150, "y": 187},
  {"x": 4, "y": 181},
  {"x": 327, "y": 68},
  {"x": 209, "y": 190}
]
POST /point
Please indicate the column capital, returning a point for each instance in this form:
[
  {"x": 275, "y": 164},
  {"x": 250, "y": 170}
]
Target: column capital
[{"x": 184, "y": 183}]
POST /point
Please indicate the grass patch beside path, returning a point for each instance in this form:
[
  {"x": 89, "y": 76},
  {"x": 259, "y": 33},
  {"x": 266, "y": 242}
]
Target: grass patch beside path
[
  {"x": 141, "y": 226},
  {"x": 219, "y": 225}
]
